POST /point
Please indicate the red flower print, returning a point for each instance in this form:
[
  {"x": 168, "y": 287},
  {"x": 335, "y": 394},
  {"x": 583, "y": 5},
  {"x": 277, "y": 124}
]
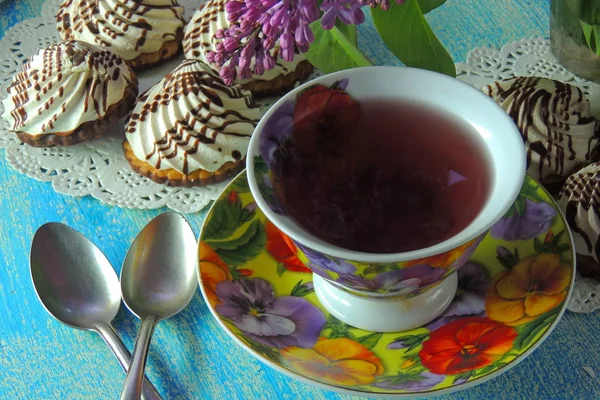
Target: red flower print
[
  {"x": 233, "y": 197},
  {"x": 322, "y": 119},
  {"x": 283, "y": 249},
  {"x": 466, "y": 344}
]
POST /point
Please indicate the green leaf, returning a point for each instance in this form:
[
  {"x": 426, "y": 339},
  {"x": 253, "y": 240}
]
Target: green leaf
[
  {"x": 520, "y": 205},
  {"x": 338, "y": 328},
  {"x": 537, "y": 246},
  {"x": 586, "y": 10},
  {"x": 529, "y": 331},
  {"x": 374, "y": 269},
  {"x": 246, "y": 215},
  {"x": 240, "y": 185},
  {"x": 280, "y": 269},
  {"x": 556, "y": 239},
  {"x": 465, "y": 375},
  {"x": 239, "y": 241},
  {"x": 333, "y": 51},
  {"x": 224, "y": 220},
  {"x": 428, "y": 5},
  {"x": 349, "y": 31},
  {"x": 562, "y": 248},
  {"x": 489, "y": 368},
  {"x": 301, "y": 290},
  {"x": 244, "y": 248},
  {"x": 370, "y": 340},
  {"x": 504, "y": 262},
  {"x": 411, "y": 342},
  {"x": 407, "y": 34}
]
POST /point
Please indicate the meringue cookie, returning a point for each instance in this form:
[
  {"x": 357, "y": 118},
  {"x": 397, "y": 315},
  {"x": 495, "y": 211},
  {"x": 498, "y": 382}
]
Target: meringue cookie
[
  {"x": 579, "y": 199},
  {"x": 129, "y": 28},
  {"x": 554, "y": 118},
  {"x": 199, "y": 40},
  {"x": 191, "y": 121},
  {"x": 65, "y": 86}
]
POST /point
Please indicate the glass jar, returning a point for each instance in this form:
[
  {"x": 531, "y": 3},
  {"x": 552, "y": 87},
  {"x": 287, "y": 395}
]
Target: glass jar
[{"x": 575, "y": 36}]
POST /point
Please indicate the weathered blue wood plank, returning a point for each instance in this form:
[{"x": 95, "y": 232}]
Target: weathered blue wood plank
[{"x": 190, "y": 356}]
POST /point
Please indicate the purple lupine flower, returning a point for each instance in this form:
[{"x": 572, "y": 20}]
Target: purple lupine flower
[
  {"x": 535, "y": 219},
  {"x": 411, "y": 382},
  {"x": 281, "y": 321}
]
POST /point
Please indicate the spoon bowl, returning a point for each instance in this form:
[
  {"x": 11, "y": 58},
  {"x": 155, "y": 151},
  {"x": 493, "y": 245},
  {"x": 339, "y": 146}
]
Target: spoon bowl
[
  {"x": 73, "y": 279},
  {"x": 158, "y": 279},
  {"x": 78, "y": 286}
]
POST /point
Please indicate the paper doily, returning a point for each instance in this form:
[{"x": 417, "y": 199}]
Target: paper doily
[
  {"x": 532, "y": 57},
  {"x": 99, "y": 169}
]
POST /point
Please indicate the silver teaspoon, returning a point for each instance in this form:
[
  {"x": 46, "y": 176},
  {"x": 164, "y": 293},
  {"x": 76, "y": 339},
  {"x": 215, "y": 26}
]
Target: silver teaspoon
[
  {"x": 158, "y": 279},
  {"x": 77, "y": 285}
]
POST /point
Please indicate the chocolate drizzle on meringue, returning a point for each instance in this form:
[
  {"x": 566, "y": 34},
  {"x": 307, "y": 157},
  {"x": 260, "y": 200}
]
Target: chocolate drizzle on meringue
[
  {"x": 554, "y": 119},
  {"x": 64, "y": 86},
  {"x": 580, "y": 201},
  {"x": 181, "y": 121},
  {"x": 116, "y": 24}
]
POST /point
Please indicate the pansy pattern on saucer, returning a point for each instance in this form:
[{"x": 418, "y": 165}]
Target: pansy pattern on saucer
[{"x": 511, "y": 294}]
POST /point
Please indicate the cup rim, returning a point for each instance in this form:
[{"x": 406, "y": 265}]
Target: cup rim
[{"x": 330, "y": 249}]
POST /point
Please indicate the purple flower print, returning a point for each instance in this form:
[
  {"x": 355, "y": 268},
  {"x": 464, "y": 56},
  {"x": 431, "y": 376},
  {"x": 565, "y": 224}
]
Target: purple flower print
[
  {"x": 470, "y": 295},
  {"x": 426, "y": 274},
  {"x": 472, "y": 287},
  {"x": 413, "y": 382},
  {"x": 277, "y": 133},
  {"x": 389, "y": 281},
  {"x": 535, "y": 219},
  {"x": 273, "y": 321},
  {"x": 399, "y": 281},
  {"x": 320, "y": 264}
]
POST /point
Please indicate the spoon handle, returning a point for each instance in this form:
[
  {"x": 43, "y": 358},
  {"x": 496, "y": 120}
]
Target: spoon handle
[
  {"x": 111, "y": 338},
  {"x": 132, "y": 388}
]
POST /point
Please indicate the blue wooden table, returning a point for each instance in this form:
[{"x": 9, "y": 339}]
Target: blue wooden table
[{"x": 190, "y": 356}]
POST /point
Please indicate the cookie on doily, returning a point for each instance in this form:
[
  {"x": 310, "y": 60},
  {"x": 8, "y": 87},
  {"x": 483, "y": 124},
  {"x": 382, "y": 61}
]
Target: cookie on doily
[
  {"x": 69, "y": 93},
  {"x": 579, "y": 200},
  {"x": 190, "y": 129},
  {"x": 199, "y": 40},
  {"x": 143, "y": 32},
  {"x": 554, "y": 119}
]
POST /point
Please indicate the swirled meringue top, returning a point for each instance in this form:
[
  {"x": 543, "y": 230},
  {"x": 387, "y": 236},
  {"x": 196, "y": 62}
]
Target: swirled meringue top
[
  {"x": 191, "y": 120},
  {"x": 554, "y": 118},
  {"x": 126, "y": 27},
  {"x": 199, "y": 39},
  {"x": 64, "y": 86},
  {"x": 579, "y": 200}
]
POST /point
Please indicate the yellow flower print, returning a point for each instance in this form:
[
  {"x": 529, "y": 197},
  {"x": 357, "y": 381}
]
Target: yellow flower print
[
  {"x": 534, "y": 286},
  {"x": 336, "y": 361}
]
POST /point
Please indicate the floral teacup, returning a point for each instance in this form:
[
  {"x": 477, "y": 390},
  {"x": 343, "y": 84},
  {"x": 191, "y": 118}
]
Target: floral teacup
[{"x": 387, "y": 292}]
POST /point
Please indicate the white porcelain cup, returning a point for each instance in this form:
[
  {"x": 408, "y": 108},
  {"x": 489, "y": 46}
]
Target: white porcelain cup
[{"x": 347, "y": 281}]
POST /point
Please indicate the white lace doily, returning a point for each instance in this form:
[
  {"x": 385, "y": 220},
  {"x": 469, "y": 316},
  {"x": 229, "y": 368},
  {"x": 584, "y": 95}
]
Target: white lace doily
[{"x": 99, "y": 169}]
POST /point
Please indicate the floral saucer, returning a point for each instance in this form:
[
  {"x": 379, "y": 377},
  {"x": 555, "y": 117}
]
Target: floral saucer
[{"x": 511, "y": 294}]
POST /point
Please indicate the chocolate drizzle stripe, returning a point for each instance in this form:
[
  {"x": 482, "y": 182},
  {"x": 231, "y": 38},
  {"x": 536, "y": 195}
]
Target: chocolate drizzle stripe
[
  {"x": 46, "y": 84},
  {"x": 554, "y": 110}
]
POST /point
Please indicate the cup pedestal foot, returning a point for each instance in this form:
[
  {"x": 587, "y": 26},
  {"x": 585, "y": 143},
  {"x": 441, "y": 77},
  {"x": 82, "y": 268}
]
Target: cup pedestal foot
[{"x": 385, "y": 314}]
